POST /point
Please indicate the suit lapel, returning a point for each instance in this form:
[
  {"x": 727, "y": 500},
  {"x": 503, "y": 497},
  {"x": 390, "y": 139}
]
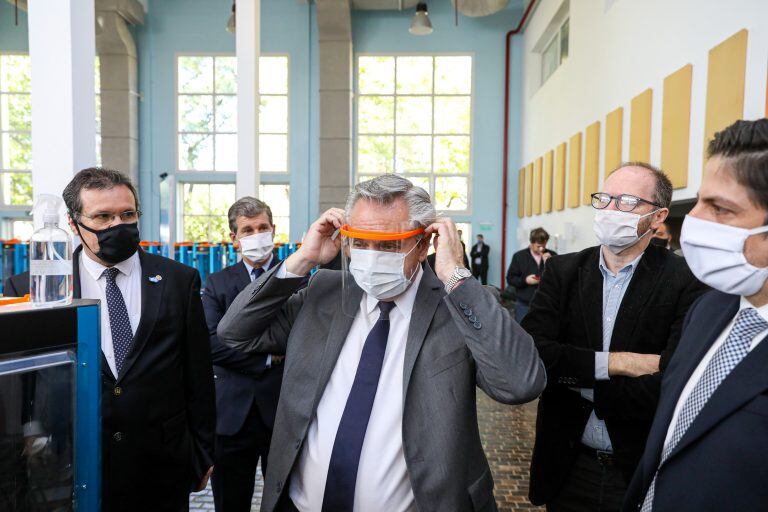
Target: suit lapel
[
  {"x": 428, "y": 297},
  {"x": 591, "y": 295},
  {"x": 240, "y": 278},
  {"x": 151, "y": 298}
]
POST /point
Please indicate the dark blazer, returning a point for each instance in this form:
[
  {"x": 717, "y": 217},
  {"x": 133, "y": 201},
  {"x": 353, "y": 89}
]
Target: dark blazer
[
  {"x": 241, "y": 379},
  {"x": 566, "y": 322},
  {"x": 158, "y": 416},
  {"x": 523, "y": 265},
  {"x": 720, "y": 463},
  {"x": 482, "y": 254}
]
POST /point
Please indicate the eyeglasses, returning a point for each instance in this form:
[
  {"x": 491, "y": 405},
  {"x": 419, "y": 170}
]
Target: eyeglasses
[
  {"x": 104, "y": 219},
  {"x": 624, "y": 202}
]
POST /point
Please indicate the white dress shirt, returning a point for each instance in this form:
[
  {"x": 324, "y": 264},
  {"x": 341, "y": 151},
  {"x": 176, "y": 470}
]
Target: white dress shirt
[
  {"x": 699, "y": 371},
  {"x": 250, "y": 267},
  {"x": 382, "y": 477},
  {"x": 93, "y": 285}
]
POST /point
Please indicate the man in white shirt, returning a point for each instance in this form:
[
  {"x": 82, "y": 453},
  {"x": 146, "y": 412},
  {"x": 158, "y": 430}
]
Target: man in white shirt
[
  {"x": 708, "y": 445},
  {"x": 377, "y": 410}
]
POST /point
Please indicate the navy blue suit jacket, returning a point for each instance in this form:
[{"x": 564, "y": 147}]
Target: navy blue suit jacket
[
  {"x": 242, "y": 380},
  {"x": 721, "y": 463}
]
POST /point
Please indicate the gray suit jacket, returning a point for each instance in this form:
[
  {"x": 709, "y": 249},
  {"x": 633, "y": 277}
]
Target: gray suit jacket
[{"x": 455, "y": 343}]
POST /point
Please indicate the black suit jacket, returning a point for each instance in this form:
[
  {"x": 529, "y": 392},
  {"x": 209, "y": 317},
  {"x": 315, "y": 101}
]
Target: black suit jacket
[
  {"x": 566, "y": 323},
  {"x": 476, "y": 252},
  {"x": 523, "y": 265},
  {"x": 242, "y": 379},
  {"x": 158, "y": 416},
  {"x": 720, "y": 463}
]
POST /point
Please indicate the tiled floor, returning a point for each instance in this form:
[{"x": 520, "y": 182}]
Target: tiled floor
[{"x": 507, "y": 433}]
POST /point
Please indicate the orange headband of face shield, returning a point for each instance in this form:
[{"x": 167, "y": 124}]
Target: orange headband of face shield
[{"x": 377, "y": 235}]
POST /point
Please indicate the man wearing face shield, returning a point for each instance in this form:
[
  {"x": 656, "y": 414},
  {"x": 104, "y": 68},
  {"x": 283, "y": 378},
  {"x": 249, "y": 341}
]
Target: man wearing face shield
[
  {"x": 247, "y": 385},
  {"x": 377, "y": 410},
  {"x": 707, "y": 447},
  {"x": 606, "y": 321}
]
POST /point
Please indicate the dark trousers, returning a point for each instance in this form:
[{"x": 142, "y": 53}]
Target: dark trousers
[
  {"x": 236, "y": 458},
  {"x": 480, "y": 272},
  {"x": 591, "y": 486},
  {"x": 521, "y": 309}
]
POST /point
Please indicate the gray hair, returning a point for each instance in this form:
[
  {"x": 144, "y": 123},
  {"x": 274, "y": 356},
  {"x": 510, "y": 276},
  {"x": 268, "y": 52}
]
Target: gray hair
[
  {"x": 247, "y": 207},
  {"x": 387, "y": 189}
]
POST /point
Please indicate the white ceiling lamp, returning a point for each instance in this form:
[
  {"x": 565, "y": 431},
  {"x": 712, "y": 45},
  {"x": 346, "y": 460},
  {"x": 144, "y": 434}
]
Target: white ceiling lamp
[
  {"x": 231, "y": 22},
  {"x": 420, "y": 24}
]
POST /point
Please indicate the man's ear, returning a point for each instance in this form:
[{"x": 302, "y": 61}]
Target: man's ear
[{"x": 233, "y": 237}]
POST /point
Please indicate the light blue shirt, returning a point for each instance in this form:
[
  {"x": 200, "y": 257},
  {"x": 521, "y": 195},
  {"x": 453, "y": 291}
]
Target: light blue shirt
[{"x": 614, "y": 287}]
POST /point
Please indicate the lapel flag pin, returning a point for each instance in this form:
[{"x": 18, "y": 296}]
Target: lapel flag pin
[{"x": 156, "y": 279}]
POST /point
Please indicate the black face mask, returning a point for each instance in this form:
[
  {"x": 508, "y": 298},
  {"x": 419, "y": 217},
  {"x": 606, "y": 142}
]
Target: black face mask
[
  {"x": 117, "y": 243},
  {"x": 660, "y": 242}
]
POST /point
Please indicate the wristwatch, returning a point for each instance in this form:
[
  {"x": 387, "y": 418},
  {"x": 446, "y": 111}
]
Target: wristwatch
[{"x": 459, "y": 274}]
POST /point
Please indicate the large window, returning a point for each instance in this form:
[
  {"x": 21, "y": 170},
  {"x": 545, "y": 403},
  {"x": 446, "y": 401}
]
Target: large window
[
  {"x": 414, "y": 118},
  {"x": 204, "y": 211},
  {"x": 15, "y": 131},
  {"x": 278, "y": 198},
  {"x": 207, "y": 113}
]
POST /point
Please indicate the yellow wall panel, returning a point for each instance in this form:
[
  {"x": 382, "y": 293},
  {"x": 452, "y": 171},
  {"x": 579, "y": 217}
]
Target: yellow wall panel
[
  {"x": 613, "y": 125},
  {"x": 574, "y": 171},
  {"x": 676, "y": 125},
  {"x": 640, "y": 127},
  {"x": 521, "y": 193},
  {"x": 546, "y": 182},
  {"x": 591, "y": 162},
  {"x": 529, "y": 190},
  {"x": 537, "y": 187},
  {"x": 725, "y": 84},
  {"x": 559, "y": 185}
]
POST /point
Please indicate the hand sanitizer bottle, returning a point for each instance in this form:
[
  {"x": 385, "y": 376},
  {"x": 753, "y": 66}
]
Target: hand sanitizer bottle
[{"x": 50, "y": 257}]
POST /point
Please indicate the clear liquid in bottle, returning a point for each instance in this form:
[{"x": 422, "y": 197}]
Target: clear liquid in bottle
[{"x": 50, "y": 265}]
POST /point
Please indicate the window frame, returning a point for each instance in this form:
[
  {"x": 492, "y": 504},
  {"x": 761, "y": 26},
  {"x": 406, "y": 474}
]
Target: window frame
[
  {"x": 180, "y": 209},
  {"x": 431, "y": 175},
  {"x": 7, "y": 206},
  {"x": 556, "y": 40}
]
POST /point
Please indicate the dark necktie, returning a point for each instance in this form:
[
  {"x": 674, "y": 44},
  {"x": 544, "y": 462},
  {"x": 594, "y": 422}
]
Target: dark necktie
[
  {"x": 119, "y": 323},
  {"x": 345, "y": 457},
  {"x": 256, "y": 272}
]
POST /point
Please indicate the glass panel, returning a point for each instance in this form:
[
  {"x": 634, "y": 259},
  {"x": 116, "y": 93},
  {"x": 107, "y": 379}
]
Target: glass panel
[
  {"x": 452, "y": 154},
  {"x": 376, "y": 114},
  {"x": 414, "y": 75},
  {"x": 37, "y": 436},
  {"x": 195, "y": 152},
  {"x": 414, "y": 154},
  {"x": 16, "y": 112},
  {"x": 376, "y": 75},
  {"x": 549, "y": 61},
  {"x": 564, "y": 41},
  {"x": 375, "y": 154},
  {"x": 222, "y": 197},
  {"x": 451, "y": 193},
  {"x": 15, "y": 73},
  {"x": 273, "y": 114},
  {"x": 98, "y": 150},
  {"x": 195, "y": 113},
  {"x": 97, "y": 98},
  {"x": 97, "y": 75},
  {"x": 273, "y": 75},
  {"x": 226, "y": 153},
  {"x": 22, "y": 229},
  {"x": 17, "y": 151},
  {"x": 414, "y": 115},
  {"x": 195, "y": 229},
  {"x": 196, "y": 74},
  {"x": 219, "y": 229},
  {"x": 453, "y": 75},
  {"x": 195, "y": 198},
  {"x": 17, "y": 188},
  {"x": 452, "y": 114},
  {"x": 226, "y": 114},
  {"x": 273, "y": 153},
  {"x": 420, "y": 181},
  {"x": 226, "y": 75},
  {"x": 278, "y": 198}
]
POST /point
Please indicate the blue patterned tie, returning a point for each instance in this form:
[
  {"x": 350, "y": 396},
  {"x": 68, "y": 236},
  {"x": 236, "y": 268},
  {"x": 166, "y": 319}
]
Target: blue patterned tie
[
  {"x": 119, "y": 323},
  {"x": 342, "y": 470},
  {"x": 256, "y": 273},
  {"x": 748, "y": 325}
]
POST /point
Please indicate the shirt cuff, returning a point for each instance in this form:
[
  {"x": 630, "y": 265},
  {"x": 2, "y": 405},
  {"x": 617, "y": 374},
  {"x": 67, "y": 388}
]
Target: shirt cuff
[
  {"x": 269, "y": 360},
  {"x": 282, "y": 273},
  {"x": 33, "y": 428},
  {"x": 601, "y": 366},
  {"x": 587, "y": 394}
]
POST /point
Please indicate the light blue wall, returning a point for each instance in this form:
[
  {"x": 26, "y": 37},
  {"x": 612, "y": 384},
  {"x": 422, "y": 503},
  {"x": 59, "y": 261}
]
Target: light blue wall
[
  {"x": 387, "y": 32},
  {"x": 175, "y": 27}
]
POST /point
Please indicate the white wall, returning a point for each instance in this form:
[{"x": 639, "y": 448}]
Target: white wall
[{"x": 614, "y": 55}]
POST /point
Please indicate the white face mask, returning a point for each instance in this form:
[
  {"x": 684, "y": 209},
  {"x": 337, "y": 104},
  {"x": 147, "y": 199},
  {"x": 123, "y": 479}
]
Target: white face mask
[
  {"x": 258, "y": 246},
  {"x": 617, "y": 230},
  {"x": 380, "y": 274},
  {"x": 715, "y": 254}
]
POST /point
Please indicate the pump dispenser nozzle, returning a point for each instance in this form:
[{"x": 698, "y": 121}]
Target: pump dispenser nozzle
[{"x": 49, "y": 205}]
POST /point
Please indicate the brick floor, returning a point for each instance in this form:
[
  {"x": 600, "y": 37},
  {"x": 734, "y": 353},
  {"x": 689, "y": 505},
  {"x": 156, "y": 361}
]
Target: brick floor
[{"x": 507, "y": 434}]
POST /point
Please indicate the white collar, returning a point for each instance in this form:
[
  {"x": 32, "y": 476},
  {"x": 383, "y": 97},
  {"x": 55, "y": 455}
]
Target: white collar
[
  {"x": 404, "y": 301},
  {"x": 96, "y": 269},
  {"x": 265, "y": 266},
  {"x": 762, "y": 310}
]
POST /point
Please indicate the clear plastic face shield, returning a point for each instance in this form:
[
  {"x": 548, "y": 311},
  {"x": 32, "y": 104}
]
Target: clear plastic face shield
[{"x": 381, "y": 264}]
